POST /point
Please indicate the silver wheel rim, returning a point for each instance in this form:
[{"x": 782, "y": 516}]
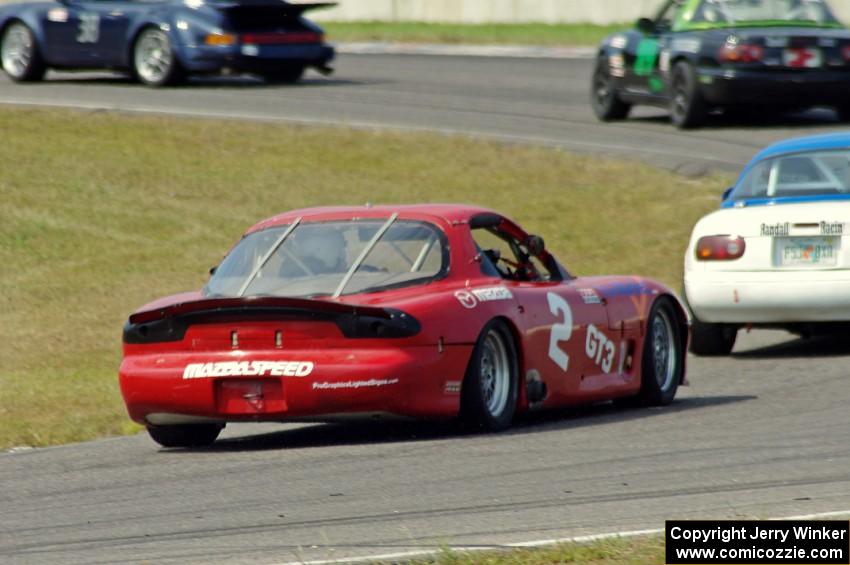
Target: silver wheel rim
[
  {"x": 153, "y": 56},
  {"x": 663, "y": 350},
  {"x": 495, "y": 373},
  {"x": 17, "y": 50}
]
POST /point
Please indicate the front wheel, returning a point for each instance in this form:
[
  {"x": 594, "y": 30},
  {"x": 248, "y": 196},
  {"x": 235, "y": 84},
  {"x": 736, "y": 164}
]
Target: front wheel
[
  {"x": 663, "y": 355},
  {"x": 19, "y": 54},
  {"x": 154, "y": 61},
  {"x": 688, "y": 109},
  {"x": 603, "y": 95},
  {"x": 187, "y": 435},
  {"x": 489, "y": 393}
]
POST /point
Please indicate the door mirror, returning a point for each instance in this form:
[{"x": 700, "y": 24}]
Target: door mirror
[
  {"x": 727, "y": 193},
  {"x": 213, "y": 270},
  {"x": 646, "y": 26}
]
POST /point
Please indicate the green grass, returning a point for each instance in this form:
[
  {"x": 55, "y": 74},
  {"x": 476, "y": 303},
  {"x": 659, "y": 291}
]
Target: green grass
[
  {"x": 519, "y": 34},
  {"x": 102, "y": 213},
  {"x": 623, "y": 551}
]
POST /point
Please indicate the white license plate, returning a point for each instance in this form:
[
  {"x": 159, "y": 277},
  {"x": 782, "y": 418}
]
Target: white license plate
[
  {"x": 803, "y": 58},
  {"x": 806, "y": 251}
]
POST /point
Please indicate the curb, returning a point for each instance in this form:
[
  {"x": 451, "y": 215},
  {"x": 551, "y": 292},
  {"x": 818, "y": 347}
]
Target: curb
[{"x": 514, "y": 51}]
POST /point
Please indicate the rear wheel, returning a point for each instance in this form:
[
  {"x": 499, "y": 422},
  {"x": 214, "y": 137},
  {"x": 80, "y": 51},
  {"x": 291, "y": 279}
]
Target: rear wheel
[
  {"x": 284, "y": 76},
  {"x": 603, "y": 95},
  {"x": 489, "y": 394},
  {"x": 188, "y": 435},
  {"x": 663, "y": 355},
  {"x": 688, "y": 109},
  {"x": 19, "y": 54},
  {"x": 154, "y": 61},
  {"x": 712, "y": 339}
]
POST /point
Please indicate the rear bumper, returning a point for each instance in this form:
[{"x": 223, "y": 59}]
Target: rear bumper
[
  {"x": 255, "y": 58},
  {"x": 825, "y": 87},
  {"x": 770, "y": 298},
  {"x": 418, "y": 382}
]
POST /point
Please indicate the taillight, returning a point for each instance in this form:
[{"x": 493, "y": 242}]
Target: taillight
[
  {"x": 741, "y": 53},
  {"x": 845, "y": 52},
  {"x": 720, "y": 248}
]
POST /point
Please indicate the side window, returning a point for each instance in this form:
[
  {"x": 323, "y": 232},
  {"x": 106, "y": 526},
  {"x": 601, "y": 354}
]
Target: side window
[
  {"x": 505, "y": 257},
  {"x": 667, "y": 16}
]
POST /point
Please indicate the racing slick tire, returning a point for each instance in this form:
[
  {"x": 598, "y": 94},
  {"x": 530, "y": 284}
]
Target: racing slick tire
[
  {"x": 19, "y": 54},
  {"x": 712, "y": 340},
  {"x": 154, "y": 62},
  {"x": 284, "y": 76},
  {"x": 688, "y": 109},
  {"x": 663, "y": 355},
  {"x": 188, "y": 435},
  {"x": 603, "y": 95},
  {"x": 490, "y": 387}
]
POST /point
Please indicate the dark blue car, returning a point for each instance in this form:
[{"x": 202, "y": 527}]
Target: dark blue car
[{"x": 161, "y": 41}]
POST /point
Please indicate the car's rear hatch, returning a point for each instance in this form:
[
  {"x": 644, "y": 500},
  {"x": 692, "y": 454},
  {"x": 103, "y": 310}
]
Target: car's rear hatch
[{"x": 791, "y": 237}]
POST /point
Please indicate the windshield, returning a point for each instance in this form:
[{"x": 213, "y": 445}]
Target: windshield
[
  {"x": 801, "y": 174},
  {"x": 329, "y": 258},
  {"x": 741, "y": 12}
]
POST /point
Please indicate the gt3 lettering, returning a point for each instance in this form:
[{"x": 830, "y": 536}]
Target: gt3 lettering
[
  {"x": 599, "y": 348},
  {"x": 562, "y": 331},
  {"x": 89, "y": 30}
]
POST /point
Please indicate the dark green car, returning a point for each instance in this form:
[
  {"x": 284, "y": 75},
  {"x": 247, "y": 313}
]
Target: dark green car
[{"x": 696, "y": 56}]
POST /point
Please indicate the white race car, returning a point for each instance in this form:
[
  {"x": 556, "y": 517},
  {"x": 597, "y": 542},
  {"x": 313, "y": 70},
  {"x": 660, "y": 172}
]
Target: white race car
[{"x": 776, "y": 254}]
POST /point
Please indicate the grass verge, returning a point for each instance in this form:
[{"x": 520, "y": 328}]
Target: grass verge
[
  {"x": 621, "y": 551},
  {"x": 513, "y": 34},
  {"x": 104, "y": 212}
]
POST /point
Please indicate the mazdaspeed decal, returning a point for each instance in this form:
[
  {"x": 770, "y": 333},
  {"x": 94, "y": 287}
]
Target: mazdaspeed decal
[{"x": 248, "y": 369}]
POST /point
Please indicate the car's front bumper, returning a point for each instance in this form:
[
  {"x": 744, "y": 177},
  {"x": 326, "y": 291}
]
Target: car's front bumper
[
  {"x": 811, "y": 88},
  {"x": 419, "y": 382},
  {"x": 769, "y": 297},
  {"x": 255, "y": 58}
]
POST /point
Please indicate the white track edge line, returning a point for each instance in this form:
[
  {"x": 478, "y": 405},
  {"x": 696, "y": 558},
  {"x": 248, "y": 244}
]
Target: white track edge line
[
  {"x": 365, "y": 125},
  {"x": 528, "y": 544}
]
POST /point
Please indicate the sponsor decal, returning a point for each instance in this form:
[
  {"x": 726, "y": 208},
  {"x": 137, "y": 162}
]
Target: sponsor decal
[
  {"x": 664, "y": 61},
  {"x": 248, "y": 369},
  {"x": 774, "y": 230},
  {"x": 471, "y": 298},
  {"x": 589, "y": 296},
  {"x": 452, "y": 387},
  {"x": 686, "y": 45},
  {"x": 466, "y": 299},
  {"x": 831, "y": 228},
  {"x": 617, "y": 65},
  {"x": 371, "y": 383},
  {"x": 776, "y": 41},
  {"x": 619, "y": 42},
  {"x": 59, "y": 15},
  {"x": 599, "y": 348}
]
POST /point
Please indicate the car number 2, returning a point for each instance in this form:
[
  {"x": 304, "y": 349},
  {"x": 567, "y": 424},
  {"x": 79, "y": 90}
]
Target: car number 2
[
  {"x": 89, "y": 30},
  {"x": 561, "y": 331}
]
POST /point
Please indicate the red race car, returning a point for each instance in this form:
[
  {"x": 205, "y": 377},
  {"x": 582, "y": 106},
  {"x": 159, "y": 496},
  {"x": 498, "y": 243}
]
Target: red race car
[{"x": 431, "y": 311}]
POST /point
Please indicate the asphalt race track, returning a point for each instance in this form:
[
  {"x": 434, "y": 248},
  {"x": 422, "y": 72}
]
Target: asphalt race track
[
  {"x": 524, "y": 100},
  {"x": 764, "y": 433}
]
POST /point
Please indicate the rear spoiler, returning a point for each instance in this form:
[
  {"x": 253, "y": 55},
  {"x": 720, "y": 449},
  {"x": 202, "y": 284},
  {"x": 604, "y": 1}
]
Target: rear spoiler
[
  {"x": 171, "y": 322},
  {"x": 301, "y": 8}
]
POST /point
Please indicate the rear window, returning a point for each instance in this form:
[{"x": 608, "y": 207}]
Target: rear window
[
  {"x": 327, "y": 258},
  {"x": 801, "y": 174}
]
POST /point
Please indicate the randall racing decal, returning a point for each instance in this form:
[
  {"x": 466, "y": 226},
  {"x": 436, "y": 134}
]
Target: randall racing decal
[
  {"x": 248, "y": 369},
  {"x": 774, "y": 230}
]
